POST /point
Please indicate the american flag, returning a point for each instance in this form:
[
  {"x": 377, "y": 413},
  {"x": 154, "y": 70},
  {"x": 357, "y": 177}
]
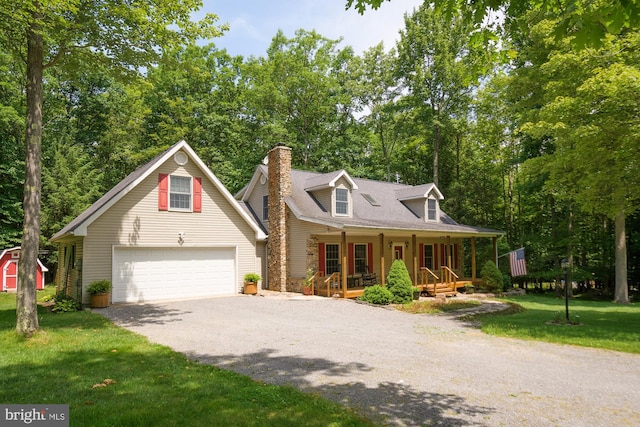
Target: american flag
[{"x": 518, "y": 263}]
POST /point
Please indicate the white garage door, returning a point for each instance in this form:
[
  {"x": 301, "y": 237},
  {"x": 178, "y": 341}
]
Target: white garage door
[{"x": 152, "y": 274}]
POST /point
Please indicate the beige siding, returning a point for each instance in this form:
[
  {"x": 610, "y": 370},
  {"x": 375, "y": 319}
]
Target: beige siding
[
  {"x": 299, "y": 232},
  {"x": 324, "y": 197},
  {"x": 136, "y": 221},
  {"x": 255, "y": 201}
]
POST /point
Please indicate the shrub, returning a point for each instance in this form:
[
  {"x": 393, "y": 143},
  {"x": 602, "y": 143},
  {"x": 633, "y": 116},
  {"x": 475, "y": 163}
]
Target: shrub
[
  {"x": 399, "y": 283},
  {"x": 377, "y": 294},
  {"x": 252, "y": 278},
  {"x": 99, "y": 287},
  {"x": 65, "y": 305},
  {"x": 491, "y": 277}
]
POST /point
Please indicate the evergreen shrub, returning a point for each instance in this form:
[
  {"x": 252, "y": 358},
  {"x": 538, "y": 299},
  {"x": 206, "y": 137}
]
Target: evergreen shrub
[
  {"x": 377, "y": 294},
  {"x": 399, "y": 283},
  {"x": 491, "y": 277}
]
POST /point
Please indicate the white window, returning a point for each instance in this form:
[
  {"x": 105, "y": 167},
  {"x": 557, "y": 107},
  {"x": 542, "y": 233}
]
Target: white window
[
  {"x": 265, "y": 208},
  {"x": 332, "y": 258},
  {"x": 342, "y": 201},
  {"x": 432, "y": 210},
  {"x": 180, "y": 193},
  {"x": 428, "y": 256},
  {"x": 360, "y": 258}
]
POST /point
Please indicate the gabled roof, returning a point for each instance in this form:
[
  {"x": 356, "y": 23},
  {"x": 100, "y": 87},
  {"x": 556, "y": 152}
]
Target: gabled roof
[
  {"x": 386, "y": 214},
  {"x": 78, "y": 227},
  {"x": 17, "y": 248},
  {"x": 419, "y": 192},
  {"x": 328, "y": 180}
]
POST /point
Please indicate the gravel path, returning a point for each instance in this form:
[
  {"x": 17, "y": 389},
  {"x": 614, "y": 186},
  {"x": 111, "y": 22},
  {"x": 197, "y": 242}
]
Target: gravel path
[{"x": 394, "y": 367}]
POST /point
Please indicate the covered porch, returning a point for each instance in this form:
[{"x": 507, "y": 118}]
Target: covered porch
[{"x": 435, "y": 262}]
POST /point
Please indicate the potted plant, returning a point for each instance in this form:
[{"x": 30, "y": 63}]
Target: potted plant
[
  {"x": 99, "y": 291},
  {"x": 251, "y": 283},
  {"x": 306, "y": 286},
  {"x": 416, "y": 293}
]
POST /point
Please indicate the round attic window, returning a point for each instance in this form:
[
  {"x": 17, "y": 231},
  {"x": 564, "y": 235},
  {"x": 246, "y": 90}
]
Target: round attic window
[
  {"x": 263, "y": 179},
  {"x": 180, "y": 158}
]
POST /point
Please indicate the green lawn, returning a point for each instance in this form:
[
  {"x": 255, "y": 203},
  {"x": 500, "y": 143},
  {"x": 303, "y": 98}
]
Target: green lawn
[
  {"x": 601, "y": 324},
  {"x": 147, "y": 384}
]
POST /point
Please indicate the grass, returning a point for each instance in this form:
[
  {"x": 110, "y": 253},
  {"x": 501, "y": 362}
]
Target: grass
[
  {"x": 433, "y": 307},
  {"x": 599, "y": 324},
  {"x": 110, "y": 376}
]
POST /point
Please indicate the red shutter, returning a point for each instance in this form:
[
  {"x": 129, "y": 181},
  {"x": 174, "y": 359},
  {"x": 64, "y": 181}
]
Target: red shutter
[
  {"x": 321, "y": 256},
  {"x": 369, "y": 257},
  {"x": 455, "y": 256},
  {"x": 351, "y": 259},
  {"x": 421, "y": 262},
  {"x": 436, "y": 266},
  {"x": 197, "y": 194},
  {"x": 163, "y": 192}
]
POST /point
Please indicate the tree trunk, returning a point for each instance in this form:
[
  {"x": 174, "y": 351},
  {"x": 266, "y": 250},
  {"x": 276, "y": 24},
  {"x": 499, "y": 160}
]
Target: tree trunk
[
  {"x": 436, "y": 154},
  {"x": 26, "y": 303},
  {"x": 621, "y": 294}
]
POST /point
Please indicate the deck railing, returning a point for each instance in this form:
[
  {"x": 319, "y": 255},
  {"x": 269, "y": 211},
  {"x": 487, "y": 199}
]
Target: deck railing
[
  {"x": 425, "y": 274},
  {"x": 315, "y": 281},
  {"x": 331, "y": 280},
  {"x": 450, "y": 277}
]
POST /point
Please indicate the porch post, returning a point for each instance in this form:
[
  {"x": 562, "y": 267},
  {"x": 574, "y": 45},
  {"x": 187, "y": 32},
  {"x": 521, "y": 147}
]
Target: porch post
[
  {"x": 415, "y": 260},
  {"x": 382, "y": 259},
  {"x": 473, "y": 260},
  {"x": 449, "y": 259},
  {"x": 343, "y": 269},
  {"x": 495, "y": 251}
]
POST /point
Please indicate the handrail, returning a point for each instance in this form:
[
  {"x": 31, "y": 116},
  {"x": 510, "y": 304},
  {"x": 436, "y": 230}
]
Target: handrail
[
  {"x": 312, "y": 279},
  {"x": 430, "y": 272},
  {"x": 444, "y": 267},
  {"x": 449, "y": 272},
  {"x": 335, "y": 277}
]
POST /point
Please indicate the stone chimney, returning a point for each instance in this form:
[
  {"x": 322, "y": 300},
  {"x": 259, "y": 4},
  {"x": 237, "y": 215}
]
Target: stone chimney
[{"x": 279, "y": 166}]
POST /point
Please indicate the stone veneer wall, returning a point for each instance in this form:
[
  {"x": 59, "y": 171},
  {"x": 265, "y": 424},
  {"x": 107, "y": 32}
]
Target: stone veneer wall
[{"x": 279, "y": 175}]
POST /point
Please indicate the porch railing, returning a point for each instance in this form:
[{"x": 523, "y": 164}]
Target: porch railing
[
  {"x": 450, "y": 277},
  {"x": 425, "y": 274},
  {"x": 330, "y": 281},
  {"x": 315, "y": 281}
]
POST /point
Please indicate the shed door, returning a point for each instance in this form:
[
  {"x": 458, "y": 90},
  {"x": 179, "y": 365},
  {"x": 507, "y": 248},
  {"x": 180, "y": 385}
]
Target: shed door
[
  {"x": 153, "y": 274},
  {"x": 10, "y": 275}
]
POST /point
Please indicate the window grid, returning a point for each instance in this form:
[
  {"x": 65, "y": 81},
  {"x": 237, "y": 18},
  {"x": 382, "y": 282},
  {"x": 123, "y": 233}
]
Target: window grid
[
  {"x": 265, "y": 208},
  {"x": 431, "y": 209},
  {"x": 428, "y": 257},
  {"x": 342, "y": 201},
  {"x": 180, "y": 193},
  {"x": 360, "y": 258},
  {"x": 332, "y": 258}
]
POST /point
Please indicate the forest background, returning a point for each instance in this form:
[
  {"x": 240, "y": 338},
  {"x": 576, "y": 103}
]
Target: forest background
[{"x": 522, "y": 127}]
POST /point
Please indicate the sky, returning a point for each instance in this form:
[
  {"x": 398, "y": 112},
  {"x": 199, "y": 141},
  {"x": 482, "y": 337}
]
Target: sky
[{"x": 253, "y": 23}]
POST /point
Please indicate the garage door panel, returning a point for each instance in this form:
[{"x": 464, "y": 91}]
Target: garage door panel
[{"x": 151, "y": 274}]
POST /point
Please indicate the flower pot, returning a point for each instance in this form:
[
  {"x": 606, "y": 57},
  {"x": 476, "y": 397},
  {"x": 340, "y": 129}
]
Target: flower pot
[
  {"x": 416, "y": 295},
  {"x": 99, "y": 300},
  {"x": 250, "y": 288},
  {"x": 306, "y": 290}
]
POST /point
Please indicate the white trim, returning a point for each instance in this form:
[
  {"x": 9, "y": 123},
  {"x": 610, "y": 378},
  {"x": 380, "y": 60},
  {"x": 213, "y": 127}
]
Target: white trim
[{"x": 81, "y": 229}]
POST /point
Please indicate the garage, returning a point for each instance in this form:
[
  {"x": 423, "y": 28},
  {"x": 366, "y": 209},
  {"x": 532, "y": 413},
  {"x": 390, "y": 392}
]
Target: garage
[{"x": 144, "y": 274}]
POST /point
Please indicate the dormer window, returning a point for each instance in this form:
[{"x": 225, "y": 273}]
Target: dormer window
[
  {"x": 342, "y": 201},
  {"x": 432, "y": 210}
]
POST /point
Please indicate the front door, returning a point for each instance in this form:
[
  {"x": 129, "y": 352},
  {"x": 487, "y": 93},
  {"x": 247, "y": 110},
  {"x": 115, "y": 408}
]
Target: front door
[
  {"x": 398, "y": 252},
  {"x": 10, "y": 275}
]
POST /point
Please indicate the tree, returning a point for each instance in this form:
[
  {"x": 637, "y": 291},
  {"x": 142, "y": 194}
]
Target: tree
[
  {"x": 47, "y": 33},
  {"x": 438, "y": 64},
  {"x": 588, "y": 21}
]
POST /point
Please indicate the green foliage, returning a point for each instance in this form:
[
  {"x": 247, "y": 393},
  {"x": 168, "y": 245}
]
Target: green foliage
[
  {"x": 65, "y": 305},
  {"x": 399, "y": 283},
  {"x": 377, "y": 294},
  {"x": 99, "y": 287},
  {"x": 252, "y": 278},
  {"x": 491, "y": 277}
]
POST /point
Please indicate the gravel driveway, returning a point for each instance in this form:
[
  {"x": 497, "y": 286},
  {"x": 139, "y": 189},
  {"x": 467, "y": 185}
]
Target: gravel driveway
[{"x": 394, "y": 367}]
